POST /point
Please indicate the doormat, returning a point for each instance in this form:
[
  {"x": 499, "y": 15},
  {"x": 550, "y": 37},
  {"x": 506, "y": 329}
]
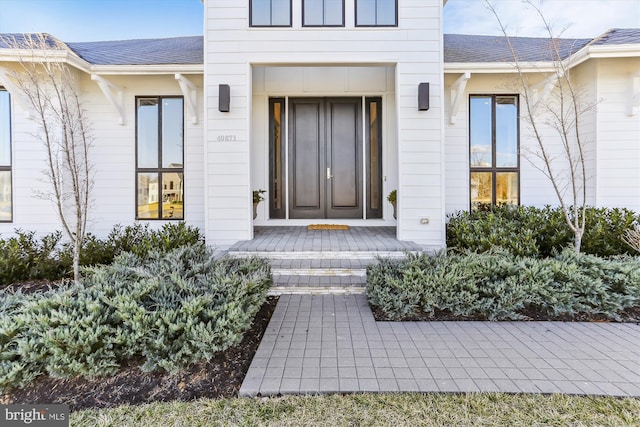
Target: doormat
[{"x": 327, "y": 227}]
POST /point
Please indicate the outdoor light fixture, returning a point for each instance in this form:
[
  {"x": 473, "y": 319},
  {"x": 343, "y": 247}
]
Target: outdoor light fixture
[
  {"x": 224, "y": 98},
  {"x": 423, "y": 96}
]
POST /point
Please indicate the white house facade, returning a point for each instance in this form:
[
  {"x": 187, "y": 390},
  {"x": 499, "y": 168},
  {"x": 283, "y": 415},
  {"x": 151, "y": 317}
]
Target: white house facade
[{"x": 328, "y": 106}]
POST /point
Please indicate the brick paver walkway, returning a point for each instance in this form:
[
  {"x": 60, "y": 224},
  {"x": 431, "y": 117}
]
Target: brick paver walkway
[{"x": 330, "y": 343}]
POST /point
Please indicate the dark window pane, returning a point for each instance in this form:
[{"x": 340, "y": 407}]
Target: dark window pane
[
  {"x": 172, "y": 195},
  {"x": 148, "y": 133},
  {"x": 507, "y": 188},
  {"x": 148, "y": 192},
  {"x": 278, "y": 192},
  {"x": 374, "y": 167},
  {"x": 481, "y": 189},
  {"x": 506, "y": 131},
  {"x": 5, "y": 129},
  {"x": 480, "y": 132},
  {"x": 172, "y": 140}
]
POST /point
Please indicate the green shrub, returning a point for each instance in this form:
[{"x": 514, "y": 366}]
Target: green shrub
[
  {"x": 499, "y": 285},
  {"x": 23, "y": 257},
  {"x": 167, "y": 309},
  {"x": 539, "y": 232}
]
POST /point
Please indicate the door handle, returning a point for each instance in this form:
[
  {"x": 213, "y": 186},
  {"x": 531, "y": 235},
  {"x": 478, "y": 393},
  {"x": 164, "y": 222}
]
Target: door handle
[{"x": 329, "y": 176}]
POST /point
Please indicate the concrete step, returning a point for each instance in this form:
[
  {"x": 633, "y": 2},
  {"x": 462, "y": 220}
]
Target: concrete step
[
  {"x": 327, "y": 272},
  {"x": 333, "y": 264},
  {"x": 339, "y": 255},
  {"x": 316, "y": 290}
]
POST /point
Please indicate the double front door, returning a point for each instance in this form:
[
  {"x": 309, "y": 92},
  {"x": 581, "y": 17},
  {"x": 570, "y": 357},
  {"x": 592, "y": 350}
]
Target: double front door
[{"x": 324, "y": 176}]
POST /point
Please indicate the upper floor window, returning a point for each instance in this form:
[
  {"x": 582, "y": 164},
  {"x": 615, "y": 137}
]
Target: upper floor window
[
  {"x": 319, "y": 13},
  {"x": 159, "y": 158},
  {"x": 6, "y": 207},
  {"x": 494, "y": 150},
  {"x": 376, "y": 13},
  {"x": 270, "y": 13}
]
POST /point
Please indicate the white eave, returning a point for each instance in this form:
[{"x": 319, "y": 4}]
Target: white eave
[
  {"x": 497, "y": 67},
  {"x": 604, "y": 51},
  {"x": 163, "y": 69},
  {"x": 584, "y": 54},
  {"x": 16, "y": 55}
]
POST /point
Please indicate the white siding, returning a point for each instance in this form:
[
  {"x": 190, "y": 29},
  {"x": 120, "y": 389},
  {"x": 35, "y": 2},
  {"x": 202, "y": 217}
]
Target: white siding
[
  {"x": 232, "y": 48},
  {"x": 112, "y": 156},
  {"x": 618, "y": 149}
]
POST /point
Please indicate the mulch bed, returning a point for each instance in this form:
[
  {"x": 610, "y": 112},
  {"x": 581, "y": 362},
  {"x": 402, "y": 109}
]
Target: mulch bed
[
  {"x": 630, "y": 315},
  {"x": 222, "y": 376}
]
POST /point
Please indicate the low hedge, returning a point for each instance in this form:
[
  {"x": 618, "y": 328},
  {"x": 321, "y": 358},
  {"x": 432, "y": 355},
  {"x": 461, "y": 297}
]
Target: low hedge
[
  {"x": 165, "y": 310},
  {"x": 539, "y": 232},
  {"x": 499, "y": 285},
  {"x": 24, "y": 257}
]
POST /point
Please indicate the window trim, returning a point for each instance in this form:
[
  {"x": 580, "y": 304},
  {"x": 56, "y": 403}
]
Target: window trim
[
  {"x": 493, "y": 169},
  {"x": 251, "y": 24},
  {"x": 376, "y": 25},
  {"x": 323, "y": 25},
  {"x": 9, "y": 168},
  {"x": 159, "y": 170}
]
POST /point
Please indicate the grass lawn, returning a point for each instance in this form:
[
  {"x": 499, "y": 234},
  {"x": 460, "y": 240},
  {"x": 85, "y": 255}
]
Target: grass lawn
[{"x": 487, "y": 409}]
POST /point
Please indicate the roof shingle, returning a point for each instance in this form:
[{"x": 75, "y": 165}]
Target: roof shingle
[{"x": 176, "y": 50}]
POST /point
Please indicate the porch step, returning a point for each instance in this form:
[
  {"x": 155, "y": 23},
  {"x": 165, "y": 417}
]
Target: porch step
[{"x": 315, "y": 272}]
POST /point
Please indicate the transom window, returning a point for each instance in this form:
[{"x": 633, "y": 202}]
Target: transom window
[
  {"x": 494, "y": 150},
  {"x": 327, "y": 13},
  {"x": 270, "y": 13},
  {"x": 159, "y": 158},
  {"x": 376, "y": 13},
  {"x": 6, "y": 206}
]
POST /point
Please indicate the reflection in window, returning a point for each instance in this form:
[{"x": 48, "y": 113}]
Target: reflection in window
[
  {"x": 270, "y": 13},
  {"x": 493, "y": 150},
  {"x": 374, "y": 157},
  {"x": 328, "y": 13},
  {"x": 381, "y": 13},
  {"x": 6, "y": 210},
  {"x": 159, "y": 151},
  {"x": 276, "y": 158}
]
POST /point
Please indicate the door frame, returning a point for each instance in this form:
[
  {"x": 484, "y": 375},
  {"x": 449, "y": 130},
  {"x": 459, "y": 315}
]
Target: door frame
[{"x": 369, "y": 211}]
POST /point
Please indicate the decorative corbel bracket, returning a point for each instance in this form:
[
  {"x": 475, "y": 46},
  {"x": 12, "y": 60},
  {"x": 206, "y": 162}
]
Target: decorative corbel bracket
[
  {"x": 190, "y": 93},
  {"x": 634, "y": 95},
  {"x": 113, "y": 93},
  {"x": 16, "y": 94},
  {"x": 458, "y": 89}
]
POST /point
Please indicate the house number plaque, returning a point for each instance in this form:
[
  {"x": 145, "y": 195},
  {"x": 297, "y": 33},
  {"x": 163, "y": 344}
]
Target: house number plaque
[{"x": 226, "y": 138}]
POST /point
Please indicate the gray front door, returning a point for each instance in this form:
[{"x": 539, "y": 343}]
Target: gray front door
[{"x": 325, "y": 158}]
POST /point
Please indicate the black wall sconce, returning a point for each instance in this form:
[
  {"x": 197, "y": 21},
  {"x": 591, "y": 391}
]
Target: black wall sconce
[
  {"x": 423, "y": 96},
  {"x": 224, "y": 98}
]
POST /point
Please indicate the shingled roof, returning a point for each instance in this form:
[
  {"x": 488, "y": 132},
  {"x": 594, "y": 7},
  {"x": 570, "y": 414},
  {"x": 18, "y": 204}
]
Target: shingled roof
[
  {"x": 618, "y": 36},
  {"x": 457, "y": 48},
  {"x": 175, "y": 50},
  {"x": 467, "y": 48}
]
